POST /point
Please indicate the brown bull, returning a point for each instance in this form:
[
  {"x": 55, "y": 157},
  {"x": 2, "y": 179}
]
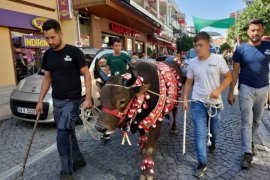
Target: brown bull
[{"x": 140, "y": 103}]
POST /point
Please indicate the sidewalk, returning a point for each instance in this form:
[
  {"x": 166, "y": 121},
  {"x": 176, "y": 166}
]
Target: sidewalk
[{"x": 5, "y": 91}]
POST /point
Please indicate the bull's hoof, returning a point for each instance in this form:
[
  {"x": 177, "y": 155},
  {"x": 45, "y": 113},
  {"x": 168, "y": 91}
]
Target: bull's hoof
[
  {"x": 141, "y": 151},
  {"x": 105, "y": 138},
  {"x": 173, "y": 132},
  {"x": 146, "y": 177}
]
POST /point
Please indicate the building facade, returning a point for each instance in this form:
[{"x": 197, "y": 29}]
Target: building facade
[
  {"x": 143, "y": 26},
  {"x": 22, "y": 42}
]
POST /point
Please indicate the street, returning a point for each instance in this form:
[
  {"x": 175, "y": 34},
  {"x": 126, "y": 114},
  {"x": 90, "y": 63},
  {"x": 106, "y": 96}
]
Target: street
[{"x": 113, "y": 161}]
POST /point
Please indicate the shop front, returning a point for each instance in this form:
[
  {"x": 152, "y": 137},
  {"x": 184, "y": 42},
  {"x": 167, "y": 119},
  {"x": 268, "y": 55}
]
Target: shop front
[
  {"x": 28, "y": 50},
  {"x": 22, "y": 46},
  {"x": 104, "y": 31}
]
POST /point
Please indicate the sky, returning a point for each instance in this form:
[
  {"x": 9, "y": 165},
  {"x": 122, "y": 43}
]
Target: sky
[{"x": 209, "y": 9}]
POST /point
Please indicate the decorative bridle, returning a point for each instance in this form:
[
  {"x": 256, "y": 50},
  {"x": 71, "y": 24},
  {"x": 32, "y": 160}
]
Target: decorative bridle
[
  {"x": 126, "y": 112},
  {"x": 120, "y": 115}
]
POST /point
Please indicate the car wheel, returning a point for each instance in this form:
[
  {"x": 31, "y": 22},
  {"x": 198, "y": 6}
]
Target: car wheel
[{"x": 84, "y": 114}]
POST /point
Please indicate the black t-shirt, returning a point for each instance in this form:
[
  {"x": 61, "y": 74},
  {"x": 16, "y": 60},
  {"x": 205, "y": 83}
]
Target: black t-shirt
[{"x": 64, "y": 66}]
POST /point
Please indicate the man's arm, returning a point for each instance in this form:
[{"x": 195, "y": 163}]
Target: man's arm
[
  {"x": 88, "y": 86},
  {"x": 187, "y": 89},
  {"x": 46, "y": 83},
  {"x": 107, "y": 69},
  {"x": 235, "y": 74},
  {"x": 225, "y": 83}
]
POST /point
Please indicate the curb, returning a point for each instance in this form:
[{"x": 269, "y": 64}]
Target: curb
[{"x": 5, "y": 118}]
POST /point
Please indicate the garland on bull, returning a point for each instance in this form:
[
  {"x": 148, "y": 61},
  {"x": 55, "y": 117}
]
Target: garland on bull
[{"x": 168, "y": 91}]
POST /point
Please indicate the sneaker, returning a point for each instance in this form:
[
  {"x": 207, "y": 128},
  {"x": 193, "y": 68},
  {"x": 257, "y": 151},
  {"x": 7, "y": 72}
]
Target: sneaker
[
  {"x": 78, "y": 165},
  {"x": 66, "y": 176},
  {"x": 105, "y": 137},
  {"x": 246, "y": 160},
  {"x": 200, "y": 170},
  {"x": 253, "y": 149}
]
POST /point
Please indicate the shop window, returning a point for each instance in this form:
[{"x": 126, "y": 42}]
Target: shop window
[
  {"x": 139, "y": 46},
  {"x": 107, "y": 40},
  {"x": 129, "y": 46},
  {"x": 84, "y": 31},
  {"x": 28, "y": 51}
]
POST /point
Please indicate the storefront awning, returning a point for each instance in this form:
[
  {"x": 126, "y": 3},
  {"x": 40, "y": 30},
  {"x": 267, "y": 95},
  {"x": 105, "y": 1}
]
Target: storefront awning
[{"x": 161, "y": 39}]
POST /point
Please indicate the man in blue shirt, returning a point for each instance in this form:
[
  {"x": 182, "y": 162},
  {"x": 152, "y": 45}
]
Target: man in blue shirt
[{"x": 251, "y": 59}]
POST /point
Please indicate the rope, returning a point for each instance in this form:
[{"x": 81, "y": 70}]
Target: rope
[
  {"x": 152, "y": 92},
  {"x": 211, "y": 105},
  {"x": 84, "y": 117}
]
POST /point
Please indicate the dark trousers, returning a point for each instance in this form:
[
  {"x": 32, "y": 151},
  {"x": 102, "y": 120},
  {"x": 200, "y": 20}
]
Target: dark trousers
[{"x": 65, "y": 116}]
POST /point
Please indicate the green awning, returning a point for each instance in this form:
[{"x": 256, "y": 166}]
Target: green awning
[{"x": 220, "y": 23}]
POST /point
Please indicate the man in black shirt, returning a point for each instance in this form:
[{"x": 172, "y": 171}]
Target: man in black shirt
[{"x": 63, "y": 64}]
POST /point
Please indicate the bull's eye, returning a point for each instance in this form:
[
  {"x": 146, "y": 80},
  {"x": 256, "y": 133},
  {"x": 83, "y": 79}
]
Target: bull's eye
[{"x": 122, "y": 102}]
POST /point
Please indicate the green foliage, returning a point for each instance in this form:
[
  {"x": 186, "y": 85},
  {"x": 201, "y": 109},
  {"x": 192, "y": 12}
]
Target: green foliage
[
  {"x": 223, "y": 47},
  {"x": 184, "y": 43},
  {"x": 260, "y": 9}
]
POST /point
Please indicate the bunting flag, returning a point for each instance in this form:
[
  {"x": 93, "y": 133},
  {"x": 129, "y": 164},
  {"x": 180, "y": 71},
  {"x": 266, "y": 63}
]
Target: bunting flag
[{"x": 220, "y": 23}]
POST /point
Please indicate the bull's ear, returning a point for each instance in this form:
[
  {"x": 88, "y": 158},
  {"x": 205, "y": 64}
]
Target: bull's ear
[
  {"x": 100, "y": 84},
  {"x": 139, "y": 90}
]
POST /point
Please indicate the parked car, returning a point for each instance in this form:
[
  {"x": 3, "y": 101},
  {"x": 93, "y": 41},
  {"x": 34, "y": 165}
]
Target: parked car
[
  {"x": 166, "y": 58},
  {"x": 191, "y": 54},
  {"x": 24, "y": 98}
]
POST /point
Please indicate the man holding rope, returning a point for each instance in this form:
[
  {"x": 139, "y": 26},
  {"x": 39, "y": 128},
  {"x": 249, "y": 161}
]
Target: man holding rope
[
  {"x": 205, "y": 70},
  {"x": 63, "y": 64}
]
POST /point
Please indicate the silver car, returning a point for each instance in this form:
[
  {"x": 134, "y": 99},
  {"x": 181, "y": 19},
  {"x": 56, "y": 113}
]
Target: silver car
[{"x": 24, "y": 98}]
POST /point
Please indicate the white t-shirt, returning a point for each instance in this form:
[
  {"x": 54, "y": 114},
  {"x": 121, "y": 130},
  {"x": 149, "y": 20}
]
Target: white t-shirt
[{"x": 206, "y": 76}]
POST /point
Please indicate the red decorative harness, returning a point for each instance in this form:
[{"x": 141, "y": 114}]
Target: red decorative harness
[
  {"x": 120, "y": 115},
  {"x": 170, "y": 90}
]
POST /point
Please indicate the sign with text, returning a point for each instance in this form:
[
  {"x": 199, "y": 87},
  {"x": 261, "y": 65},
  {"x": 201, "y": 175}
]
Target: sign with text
[
  {"x": 65, "y": 10},
  {"x": 34, "y": 42},
  {"x": 38, "y": 22},
  {"x": 124, "y": 30}
]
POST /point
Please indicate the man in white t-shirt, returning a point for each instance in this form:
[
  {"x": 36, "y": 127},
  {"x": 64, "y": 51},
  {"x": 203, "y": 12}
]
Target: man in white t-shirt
[{"x": 205, "y": 70}]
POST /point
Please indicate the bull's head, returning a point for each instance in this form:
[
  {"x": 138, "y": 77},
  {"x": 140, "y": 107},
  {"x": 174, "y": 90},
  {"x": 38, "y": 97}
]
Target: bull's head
[{"x": 115, "y": 99}]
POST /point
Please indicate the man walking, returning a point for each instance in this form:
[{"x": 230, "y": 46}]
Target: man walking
[
  {"x": 205, "y": 70},
  {"x": 251, "y": 60},
  {"x": 63, "y": 64}
]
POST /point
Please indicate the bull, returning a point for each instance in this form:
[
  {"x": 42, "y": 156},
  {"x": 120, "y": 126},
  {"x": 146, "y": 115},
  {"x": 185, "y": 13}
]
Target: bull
[{"x": 140, "y": 103}]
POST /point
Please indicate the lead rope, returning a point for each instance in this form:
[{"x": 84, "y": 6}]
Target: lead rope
[
  {"x": 211, "y": 105},
  {"x": 86, "y": 124}
]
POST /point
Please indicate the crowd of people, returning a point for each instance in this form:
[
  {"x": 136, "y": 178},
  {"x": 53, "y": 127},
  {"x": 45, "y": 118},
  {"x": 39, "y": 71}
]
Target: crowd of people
[{"x": 63, "y": 64}]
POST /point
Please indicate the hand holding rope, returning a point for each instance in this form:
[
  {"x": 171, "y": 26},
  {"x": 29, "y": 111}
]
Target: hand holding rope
[{"x": 211, "y": 105}]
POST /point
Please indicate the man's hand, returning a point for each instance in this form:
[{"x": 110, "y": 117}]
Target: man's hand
[
  {"x": 39, "y": 108},
  {"x": 231, "y": 98},
  {"x": 215, "y": 94},
  {"x": 185, "y": 106},
  {"x": 87, "y": 104}
]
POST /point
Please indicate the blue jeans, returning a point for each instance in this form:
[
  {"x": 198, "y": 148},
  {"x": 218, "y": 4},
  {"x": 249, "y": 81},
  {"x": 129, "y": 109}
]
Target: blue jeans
[
  {"x": 65, "y": 115},
  {"x": 251, "y": 102},
  {"x": 199, "y": 113}
]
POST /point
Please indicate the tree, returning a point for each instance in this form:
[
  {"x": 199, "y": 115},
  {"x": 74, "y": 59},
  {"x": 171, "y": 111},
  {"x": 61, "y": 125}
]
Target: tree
[
  {"x": 185, "y": 43},
  {"x": 223, "y": 47},
  {"x": 259, "y": 9}
]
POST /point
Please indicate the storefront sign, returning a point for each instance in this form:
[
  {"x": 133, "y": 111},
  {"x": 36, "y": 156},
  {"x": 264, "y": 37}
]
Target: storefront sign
[
  {"x": 38, "y": 22},
  {"x": 15, "y": 19},
  {"x": 124, "y": 30},
  {"x": 64, "y": 8},
  {"x": 34, "y": 42}
]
